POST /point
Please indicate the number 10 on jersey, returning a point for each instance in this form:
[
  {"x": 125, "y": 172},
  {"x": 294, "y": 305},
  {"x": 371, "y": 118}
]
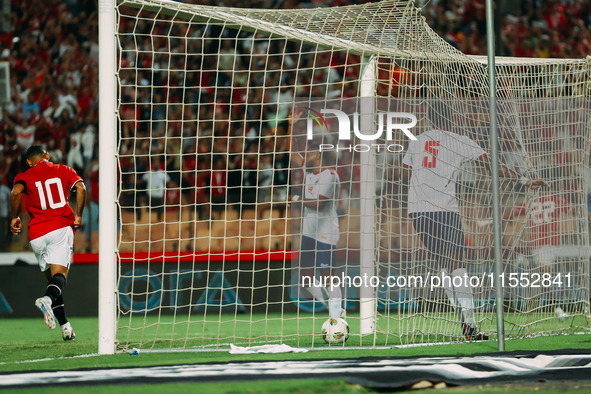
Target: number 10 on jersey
[{"x": 50, "y": 197}]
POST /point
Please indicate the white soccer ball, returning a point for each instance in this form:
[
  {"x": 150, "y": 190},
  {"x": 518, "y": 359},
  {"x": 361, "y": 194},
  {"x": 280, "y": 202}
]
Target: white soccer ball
[{"x": 335, "y": 331}]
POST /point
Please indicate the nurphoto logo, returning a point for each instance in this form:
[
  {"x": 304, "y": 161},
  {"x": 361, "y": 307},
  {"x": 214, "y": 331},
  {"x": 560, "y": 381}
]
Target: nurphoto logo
[{"x": 389, "y": 122}]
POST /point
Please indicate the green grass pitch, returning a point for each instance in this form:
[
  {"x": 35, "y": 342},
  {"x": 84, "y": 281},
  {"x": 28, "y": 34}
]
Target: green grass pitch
[{"x": 27, "y": 345}]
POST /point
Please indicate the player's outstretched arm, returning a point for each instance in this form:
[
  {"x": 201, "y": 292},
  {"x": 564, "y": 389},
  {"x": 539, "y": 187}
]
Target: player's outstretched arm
[
  {"x": 531, "y": 183},
  {"x": 506, "y": 172},
  {"x": 80, "y": 203},
  {"x": 536, "y": 183},
  {"x": 15, "y": 205},
  {"x": 295, "y": 157}
]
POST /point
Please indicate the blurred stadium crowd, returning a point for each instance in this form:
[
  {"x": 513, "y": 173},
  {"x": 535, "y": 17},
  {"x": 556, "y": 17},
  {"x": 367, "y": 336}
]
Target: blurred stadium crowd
[
  {"x": 52, "y": 51},
  {"x": 528, "y": 28}
]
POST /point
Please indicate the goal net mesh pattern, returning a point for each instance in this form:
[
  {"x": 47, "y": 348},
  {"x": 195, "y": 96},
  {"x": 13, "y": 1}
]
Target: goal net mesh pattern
[{"x": 208, "y": 238}]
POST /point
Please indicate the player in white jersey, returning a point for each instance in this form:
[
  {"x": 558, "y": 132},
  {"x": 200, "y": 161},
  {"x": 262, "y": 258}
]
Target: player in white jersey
[
  {"x": 434, "y": 160},
  {"x": 320, "y": 223},
  {"x": 320, "y": 192}
]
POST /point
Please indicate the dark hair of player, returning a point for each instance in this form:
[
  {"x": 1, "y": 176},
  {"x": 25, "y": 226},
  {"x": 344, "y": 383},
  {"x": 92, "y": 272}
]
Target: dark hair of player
[
  {"x": 35, "y": 150},
  {"x": 327, "y": 158}
]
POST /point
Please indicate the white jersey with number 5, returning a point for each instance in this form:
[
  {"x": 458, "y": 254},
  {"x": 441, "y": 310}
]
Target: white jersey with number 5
[
  {"x": 322, "y": 223},
  {"x": 435, "y": 159}
]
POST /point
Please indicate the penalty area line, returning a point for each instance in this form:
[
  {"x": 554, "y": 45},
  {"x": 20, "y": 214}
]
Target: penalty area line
[{"x": 49, "y": 359}]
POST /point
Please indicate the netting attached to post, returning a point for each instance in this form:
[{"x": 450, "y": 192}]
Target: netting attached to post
[{"x": 206, "y": 171}]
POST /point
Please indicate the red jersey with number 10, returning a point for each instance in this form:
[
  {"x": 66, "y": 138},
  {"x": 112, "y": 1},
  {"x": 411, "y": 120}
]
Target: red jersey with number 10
[{"x": 47, "y": 188}]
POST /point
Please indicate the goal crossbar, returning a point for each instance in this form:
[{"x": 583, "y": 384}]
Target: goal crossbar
[
  {"x": 221, "y": 92},
  {"x": 291, "y": 26}
]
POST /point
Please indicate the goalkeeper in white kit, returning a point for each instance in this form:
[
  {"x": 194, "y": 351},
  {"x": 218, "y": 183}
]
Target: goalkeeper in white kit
[{"x": 434, "y": 160}]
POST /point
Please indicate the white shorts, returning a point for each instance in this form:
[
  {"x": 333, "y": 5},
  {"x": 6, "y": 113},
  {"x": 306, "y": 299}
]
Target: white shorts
[{"x": 55, "y": 247}]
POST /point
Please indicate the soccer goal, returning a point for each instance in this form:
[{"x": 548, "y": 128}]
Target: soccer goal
[{"x": 203, "y": 245}]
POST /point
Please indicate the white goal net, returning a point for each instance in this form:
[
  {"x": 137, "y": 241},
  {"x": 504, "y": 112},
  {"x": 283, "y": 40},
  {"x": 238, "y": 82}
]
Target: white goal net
[{"x": 211, "y": 248}]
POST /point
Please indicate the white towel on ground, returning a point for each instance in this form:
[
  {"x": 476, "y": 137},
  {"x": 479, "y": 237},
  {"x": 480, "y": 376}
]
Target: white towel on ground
[{"x": 265, "y": 349}]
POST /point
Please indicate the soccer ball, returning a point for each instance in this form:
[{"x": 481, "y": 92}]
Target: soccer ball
[{"x": 335, "y": 331}]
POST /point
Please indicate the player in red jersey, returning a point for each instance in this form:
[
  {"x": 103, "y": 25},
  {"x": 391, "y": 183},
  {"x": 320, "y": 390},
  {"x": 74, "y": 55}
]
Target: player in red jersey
[
  {"x": 545, "y": 218},
  {"x": 546, "y": 215},
  {"x": 550, "y": 219},
  {"x": 51, "y": 229}
]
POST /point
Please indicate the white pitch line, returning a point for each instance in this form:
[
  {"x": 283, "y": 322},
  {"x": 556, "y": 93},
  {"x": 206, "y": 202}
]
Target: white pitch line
[
  {"x": 48, "y": 359},
  {"x": 225, "y": 347}
]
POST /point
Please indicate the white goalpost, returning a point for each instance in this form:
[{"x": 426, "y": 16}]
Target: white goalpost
[
  {"x": 367, "y": 164},
  {"x": 202, "y": 111},
  {"x": 107, "y": 178}
]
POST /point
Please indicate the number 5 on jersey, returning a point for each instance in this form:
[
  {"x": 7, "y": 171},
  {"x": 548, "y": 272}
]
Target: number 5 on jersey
[
  {"x": 50, "y": 198},
  {"x": 430, "y": 160}
]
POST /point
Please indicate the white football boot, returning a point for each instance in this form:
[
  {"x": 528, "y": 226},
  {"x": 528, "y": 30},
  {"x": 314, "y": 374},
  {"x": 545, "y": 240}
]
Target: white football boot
[{"x": 44, "y": 305}]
